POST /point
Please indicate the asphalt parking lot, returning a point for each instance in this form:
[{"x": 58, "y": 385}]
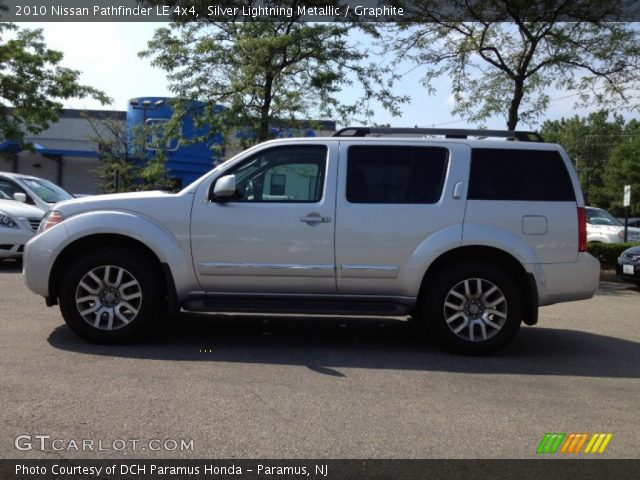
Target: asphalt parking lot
[{"x": 291, "y": 387}]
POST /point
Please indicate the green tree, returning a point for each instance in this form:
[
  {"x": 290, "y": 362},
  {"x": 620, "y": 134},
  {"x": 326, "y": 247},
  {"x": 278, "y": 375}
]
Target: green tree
[
  {"x": 588, "y": 141},
  {"x": 623, "y": 169},
  {"x": 265, "y": 73},
  {"x": 33, "y": 84},
  {"x": 504, "y": 56},
  {"x": 126, "y": 162}
]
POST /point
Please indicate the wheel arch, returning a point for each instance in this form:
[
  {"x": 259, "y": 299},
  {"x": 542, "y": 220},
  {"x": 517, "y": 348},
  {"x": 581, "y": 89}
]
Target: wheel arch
[
  {"x": 91, "y": 242},
  {"x": 525, "y": 281}
]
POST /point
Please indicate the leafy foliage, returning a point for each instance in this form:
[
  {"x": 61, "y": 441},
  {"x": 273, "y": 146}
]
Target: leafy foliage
[
  {"x": 604, "y": 150},
  {"x": 126, "y": 164},
  {"x": 589, "y": 142},
  {"x": 505, "y": 55},
  {"x": 608, "y": 253},
  {"x": 265, "y": 74},
  {"x": 623, "y": 169},
  {"x": 33, "y": 84}
]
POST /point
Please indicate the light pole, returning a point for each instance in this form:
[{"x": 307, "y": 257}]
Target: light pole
[{"x": 144, "y": 106}]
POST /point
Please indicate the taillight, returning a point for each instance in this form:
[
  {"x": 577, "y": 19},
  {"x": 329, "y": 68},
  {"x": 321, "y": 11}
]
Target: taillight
[{"x": 582, "y": 230}]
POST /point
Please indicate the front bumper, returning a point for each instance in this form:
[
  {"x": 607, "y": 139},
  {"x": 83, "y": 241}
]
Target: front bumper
[
  {"x": 12, "y": 241},
  {"x": 40, "y": 254},
  {"x": 623, "y": 271}
]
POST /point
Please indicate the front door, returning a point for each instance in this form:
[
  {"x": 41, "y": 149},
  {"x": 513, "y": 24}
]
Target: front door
[{"x": 277, "y": 233}]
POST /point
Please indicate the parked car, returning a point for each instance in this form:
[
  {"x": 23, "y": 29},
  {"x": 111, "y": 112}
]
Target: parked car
[
  {"x": 603, "y": 227},
  {"x": 628, "y": 267},
  {"x": 18, "y": 224},
  {"x": 470, "y": 236},
  {"x": 34, "y": 191},
  {"x": 631, "y": 222}
]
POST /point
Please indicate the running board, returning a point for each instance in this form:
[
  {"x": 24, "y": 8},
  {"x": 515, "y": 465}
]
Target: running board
[{"x": 312, "y": 304}]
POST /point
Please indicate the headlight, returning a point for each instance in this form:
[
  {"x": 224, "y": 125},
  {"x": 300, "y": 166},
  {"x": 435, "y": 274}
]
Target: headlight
[
  {"x": 51, "y": 219},
  {"x": 7, "y": 221}
]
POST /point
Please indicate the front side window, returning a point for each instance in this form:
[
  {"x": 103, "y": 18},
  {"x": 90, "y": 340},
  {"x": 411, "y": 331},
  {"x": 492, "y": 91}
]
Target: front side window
[
  {"x": 9, "y": 188},
  {"x": 282, "y": 174},
  {"x": 395, "y": 174}
]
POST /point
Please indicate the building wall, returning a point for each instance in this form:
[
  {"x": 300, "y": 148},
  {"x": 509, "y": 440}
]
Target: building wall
[{"x": 72, "y": 132}]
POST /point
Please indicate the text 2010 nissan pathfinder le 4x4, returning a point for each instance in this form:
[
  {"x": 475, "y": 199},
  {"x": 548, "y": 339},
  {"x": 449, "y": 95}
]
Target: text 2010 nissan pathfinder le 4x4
[{"x": 470, "y": 235}]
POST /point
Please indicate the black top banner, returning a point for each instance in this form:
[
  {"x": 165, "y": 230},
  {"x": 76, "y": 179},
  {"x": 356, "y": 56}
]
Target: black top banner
[{"x": 415, "y": 11}]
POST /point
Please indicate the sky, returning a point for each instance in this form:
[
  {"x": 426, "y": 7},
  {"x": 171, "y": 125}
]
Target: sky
[{"x": 107, "y": 56}]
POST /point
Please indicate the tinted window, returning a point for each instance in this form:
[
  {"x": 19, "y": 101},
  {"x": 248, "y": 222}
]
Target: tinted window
[
  {"x": 282, "y": 174},
  {"x": 9, "y": 187},
  {"x": 387, "y": 174},
  {"x": 534, "y": 175}
]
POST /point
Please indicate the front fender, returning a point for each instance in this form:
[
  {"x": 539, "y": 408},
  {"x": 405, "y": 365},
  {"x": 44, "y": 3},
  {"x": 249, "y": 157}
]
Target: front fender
[{"x": 171, "y": 249}]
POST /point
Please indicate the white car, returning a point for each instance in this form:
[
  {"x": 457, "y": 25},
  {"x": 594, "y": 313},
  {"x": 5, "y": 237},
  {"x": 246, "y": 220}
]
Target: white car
[
  {"x": 602, "y": 227},
  {"x": 39, "y": 192},
  {"x": 18, "y": 223}
]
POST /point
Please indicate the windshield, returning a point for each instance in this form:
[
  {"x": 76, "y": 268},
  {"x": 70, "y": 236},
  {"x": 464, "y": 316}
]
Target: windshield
[
  {"x": 46, "y": 190},
  {"x": 595, "y": 216}
]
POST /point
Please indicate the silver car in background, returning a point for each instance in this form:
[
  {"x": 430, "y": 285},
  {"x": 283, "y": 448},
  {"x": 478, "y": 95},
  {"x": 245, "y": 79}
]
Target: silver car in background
[
  {"x": 18, "y": 224},
  {"x": 39, "y": 192}
]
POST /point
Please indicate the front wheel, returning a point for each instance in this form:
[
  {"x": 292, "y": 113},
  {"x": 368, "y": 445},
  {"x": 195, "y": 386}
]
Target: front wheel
[
  {"x": 110, "y": 295},
  {"x": 473, "y": 307}
]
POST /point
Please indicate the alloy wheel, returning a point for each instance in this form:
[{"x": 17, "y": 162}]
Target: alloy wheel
[
  {"x": 475, "y": 309},
  {"x": 108, "y": 297}
]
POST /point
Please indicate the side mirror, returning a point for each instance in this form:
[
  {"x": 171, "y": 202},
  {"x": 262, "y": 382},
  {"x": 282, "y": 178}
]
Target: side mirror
[
  {"x": 224, "y": 188},
  {"x": 20, "y": 197}
]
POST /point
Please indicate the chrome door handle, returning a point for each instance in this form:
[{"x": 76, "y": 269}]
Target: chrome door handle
[{"x": 315, "y": 218}]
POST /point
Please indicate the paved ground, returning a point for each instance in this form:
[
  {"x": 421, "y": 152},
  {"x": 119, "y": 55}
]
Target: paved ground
[{"x": 287, "y": 387}]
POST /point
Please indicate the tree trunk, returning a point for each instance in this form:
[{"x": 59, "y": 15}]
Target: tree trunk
[
  {"x": 263, "y": 133},
  {"x": 518, "y": 93}
]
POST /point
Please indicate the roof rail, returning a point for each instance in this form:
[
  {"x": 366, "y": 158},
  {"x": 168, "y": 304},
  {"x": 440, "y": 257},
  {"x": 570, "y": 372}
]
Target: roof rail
[{"x": 447, "y": 132}]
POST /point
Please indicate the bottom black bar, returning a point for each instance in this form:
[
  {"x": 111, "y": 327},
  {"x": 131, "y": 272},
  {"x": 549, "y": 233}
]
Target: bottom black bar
[{"x": 131, "y": 469}]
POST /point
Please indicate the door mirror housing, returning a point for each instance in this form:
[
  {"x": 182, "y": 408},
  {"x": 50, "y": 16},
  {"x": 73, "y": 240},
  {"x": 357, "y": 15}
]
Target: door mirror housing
[
  {"x": 225, "y": 188},
  {"x": 20, "y": 197}
]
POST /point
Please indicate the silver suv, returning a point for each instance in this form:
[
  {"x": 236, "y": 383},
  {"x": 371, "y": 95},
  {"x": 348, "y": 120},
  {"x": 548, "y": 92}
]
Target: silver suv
[{"x": 469, "y": 235}]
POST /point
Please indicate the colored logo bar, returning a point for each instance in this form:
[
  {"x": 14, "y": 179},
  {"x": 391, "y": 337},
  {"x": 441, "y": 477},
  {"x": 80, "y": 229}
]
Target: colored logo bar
[{"x": 574, "y": 442}]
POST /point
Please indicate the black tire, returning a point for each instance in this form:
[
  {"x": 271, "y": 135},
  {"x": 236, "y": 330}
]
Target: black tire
[
  {"x": 449, "y": 285},
  {"x": 147, "y": 307}
]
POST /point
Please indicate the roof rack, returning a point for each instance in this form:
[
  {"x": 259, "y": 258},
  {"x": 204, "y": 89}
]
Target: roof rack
[{"x": 447, "y": 132}]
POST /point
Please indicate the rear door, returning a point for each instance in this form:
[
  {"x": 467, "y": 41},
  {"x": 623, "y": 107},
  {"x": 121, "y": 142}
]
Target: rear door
[{"x": 393, "y": 199}]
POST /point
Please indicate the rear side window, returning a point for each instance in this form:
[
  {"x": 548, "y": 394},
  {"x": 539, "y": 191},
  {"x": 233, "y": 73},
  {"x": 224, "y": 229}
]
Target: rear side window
[
  {"x": 389, "y": 174},
  {"x": 533, "y": 175}
]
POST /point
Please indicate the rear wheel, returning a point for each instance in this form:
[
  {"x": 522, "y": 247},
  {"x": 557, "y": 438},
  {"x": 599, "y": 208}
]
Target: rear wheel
[
  {"x": 110, "y": 295},
  {"x": 473, "y": 307}
]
